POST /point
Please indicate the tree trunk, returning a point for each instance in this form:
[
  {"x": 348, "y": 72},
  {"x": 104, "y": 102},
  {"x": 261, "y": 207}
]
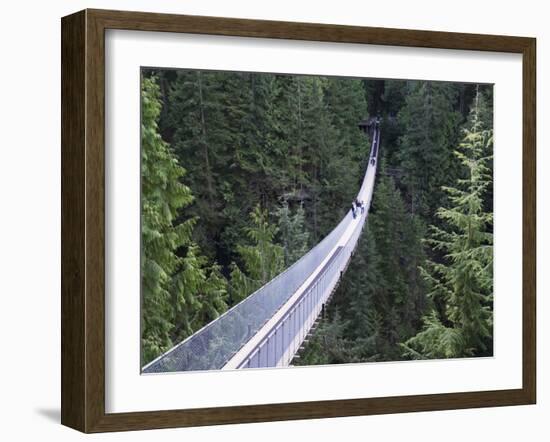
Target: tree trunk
[{"x": 207, "y": 168}]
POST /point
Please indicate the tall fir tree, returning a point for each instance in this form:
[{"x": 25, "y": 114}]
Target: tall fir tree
[
  {"x": 162, "y": 196},
  {"x": 261, "y": 258},
  {"x": 357, "y": 297},
  {"x": 292, "y": 233},
  {"x": 461, "y": 287},
  {"x": 345, "y": 156},
  {"x": 398, "y": 294},
  {"x": 431, "y": 129},
  {"x": 191, "y": 109},
  {"x": 176, "y": 290}
]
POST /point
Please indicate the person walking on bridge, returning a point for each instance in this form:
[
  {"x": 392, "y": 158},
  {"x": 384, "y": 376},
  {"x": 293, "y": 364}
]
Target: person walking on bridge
[{"x": 353, "y": 209}]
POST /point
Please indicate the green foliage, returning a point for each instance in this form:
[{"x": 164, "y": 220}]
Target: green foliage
[
  {"x": 199, "y": 293},
  {"x": 292, "y": 233},
  {"x": 262, "y": 258},
  {"x": 391, "y": 297},
  {"x": 357, "y": 296},
  {"x": 178, "y": 292},
  {"x": 461, "y": 286},
  {"x": 341, "y": 152},
  {"x": 328, "y": 345},
  {"x": 249, "y": 139},
  {"x": 435, "y": 341},
  {"x": 430, "y": 130},
  {"x": 162, "y": 196}
]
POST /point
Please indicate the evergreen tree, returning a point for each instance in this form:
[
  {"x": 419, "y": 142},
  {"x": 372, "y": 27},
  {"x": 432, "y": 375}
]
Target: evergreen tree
[
  {"x": 292, "y": 233},
  {"x": 328, "y": 344},
  {"x": 392, "y": 101},
  {"x": 460, "y": 322},
  {"x": 484, "y": 102},
  {"x": 343, "y": 151},
  {"x": 398, "y": 294},
  {"x": 199, "y": 293},
  {"x": 180, "y": 293},
  {"x": 206, "y": 111},
  {"x": 262, "y": 259},
  {"x": 431, "y": 129},
  {"x": 162, "y": 196},
  {"x": 191, "y": 108},
  {"x": 357, "y": 297}
]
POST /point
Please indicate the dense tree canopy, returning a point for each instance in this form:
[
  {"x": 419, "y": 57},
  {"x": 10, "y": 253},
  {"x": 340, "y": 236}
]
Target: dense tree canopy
[
  {"x": 242, "y": 173},
  {"x": 430, "y": 131},
  {"x": 181, "y": 290},
  {"x": 461, "y": 285}
]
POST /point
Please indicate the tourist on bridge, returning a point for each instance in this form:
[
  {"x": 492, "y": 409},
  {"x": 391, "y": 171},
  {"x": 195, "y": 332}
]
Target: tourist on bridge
[
  {"x": 362, "y": 206},
  {"x": 353, "y": 209}
]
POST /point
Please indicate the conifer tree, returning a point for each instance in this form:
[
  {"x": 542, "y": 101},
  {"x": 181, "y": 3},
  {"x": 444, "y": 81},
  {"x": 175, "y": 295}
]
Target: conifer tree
[
  {"x": 199, "y": 293},
  {"x": 460, "y": 321},
  {"x": 328, "y": 344},
  {"x": 162, "y": 196},
  {"x": 262, "y": 259},
  {"x": 292, "y": 233},
  {"x": 431, "y": 129},
  {"x": 343, "y": 150},
  {"x": 180, "y": 293},
  {"x": 358, "y": 297},
  {"x": 398, "y": 294},
  {"x": 189, "y": 112},
  {"x": 205, "y": 112}
]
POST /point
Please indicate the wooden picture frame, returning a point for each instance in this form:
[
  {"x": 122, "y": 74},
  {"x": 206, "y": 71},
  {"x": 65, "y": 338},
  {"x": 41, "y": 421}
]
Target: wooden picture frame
[{"x": 83, "y": 220}]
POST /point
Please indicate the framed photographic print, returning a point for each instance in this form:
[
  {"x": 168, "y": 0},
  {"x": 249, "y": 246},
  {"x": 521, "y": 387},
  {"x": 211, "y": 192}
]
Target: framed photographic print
[{"x": 269, "y": 220}]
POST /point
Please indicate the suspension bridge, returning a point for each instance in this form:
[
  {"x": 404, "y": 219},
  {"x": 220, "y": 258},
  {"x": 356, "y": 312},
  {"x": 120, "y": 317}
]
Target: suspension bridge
[{"x": 269, "y": 327}]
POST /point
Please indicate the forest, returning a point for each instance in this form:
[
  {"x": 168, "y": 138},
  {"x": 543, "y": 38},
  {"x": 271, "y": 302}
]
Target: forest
[{"x": 242, "y": 173}]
